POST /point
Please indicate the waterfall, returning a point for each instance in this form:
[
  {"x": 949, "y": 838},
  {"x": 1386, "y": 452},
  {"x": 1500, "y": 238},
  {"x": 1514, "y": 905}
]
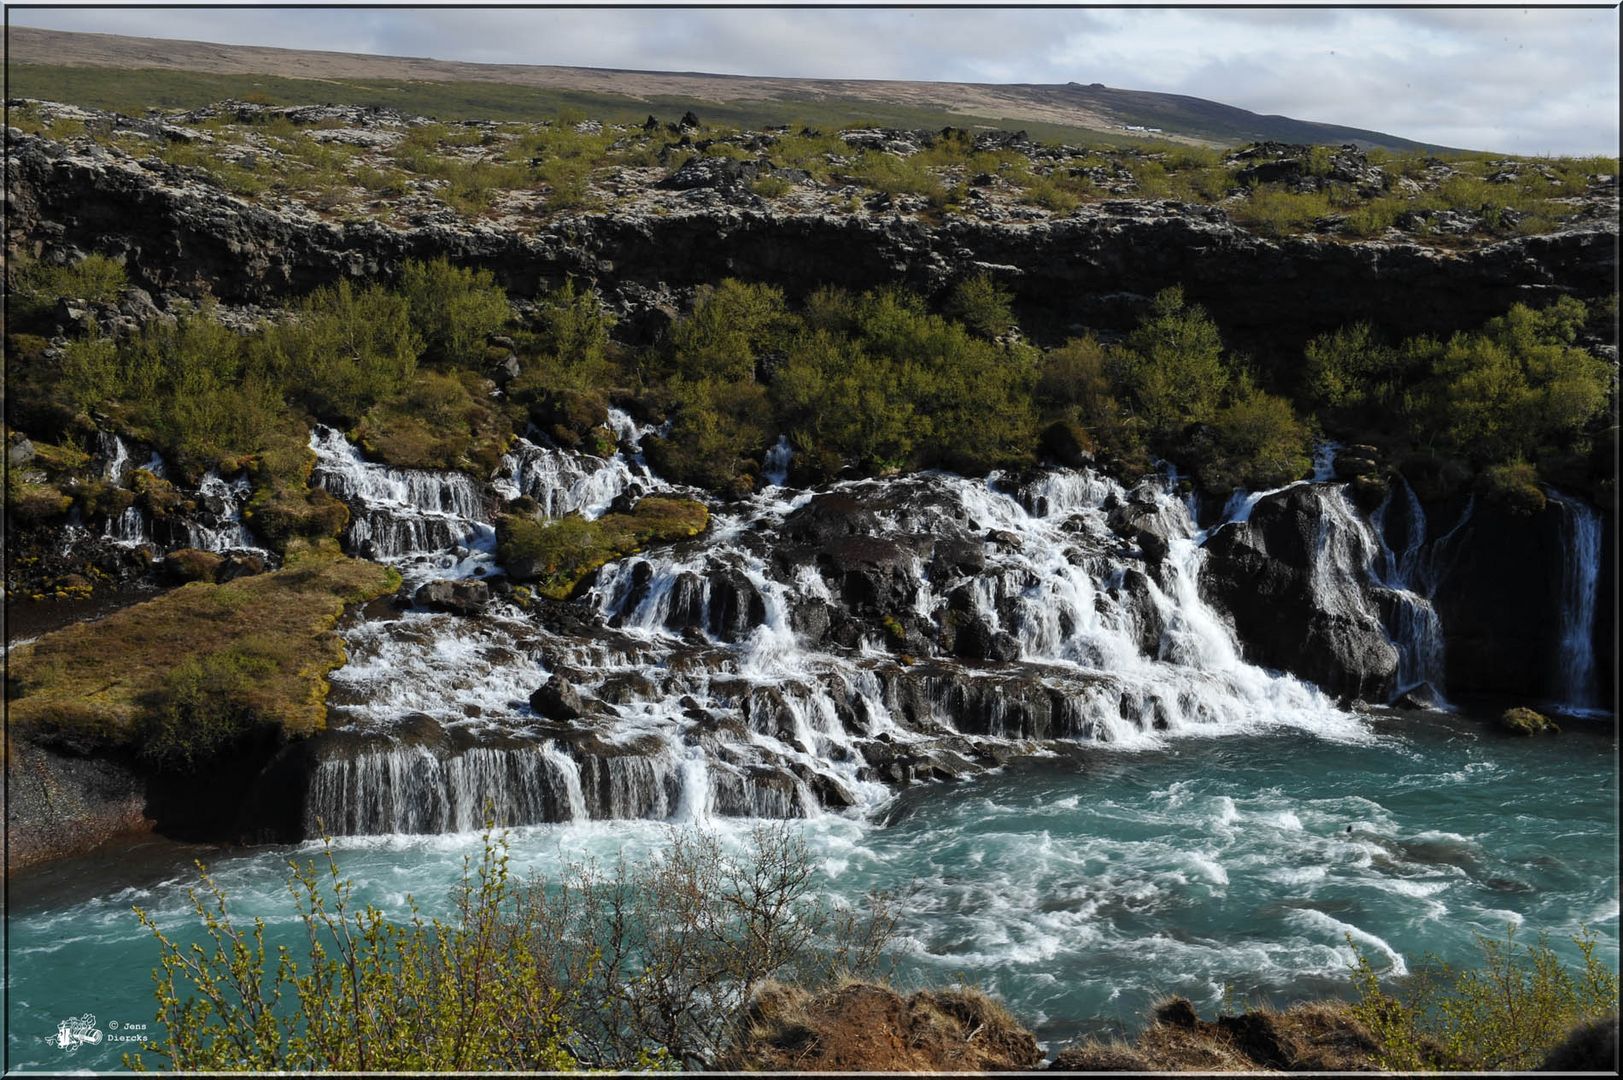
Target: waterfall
[
  {"x": 1580, "y": 583},
  {"x": 725, "y": 677},
  {"x": 219, "y": 526},
  {"x": 563, "y": 481},
  {"x": 115, "y": 457},
  {"x": 775, "y": 464},
  {"x": 129, "y": 528},
  {"x": 1407, "y": 581},
  {"x": 434, "y": 521}
]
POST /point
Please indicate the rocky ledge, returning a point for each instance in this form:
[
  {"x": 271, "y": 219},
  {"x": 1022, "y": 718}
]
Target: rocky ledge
[{"x": 647, "y": 234}]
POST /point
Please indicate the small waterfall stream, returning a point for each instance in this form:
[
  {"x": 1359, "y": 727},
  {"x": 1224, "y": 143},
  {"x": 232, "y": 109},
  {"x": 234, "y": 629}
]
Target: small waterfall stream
[
  {"x": 1580, "y": 584},
  {"x": 1407, "y": 581}
]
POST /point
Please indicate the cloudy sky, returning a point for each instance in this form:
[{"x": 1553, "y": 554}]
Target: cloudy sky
[{"x": 1520, "y": 79}]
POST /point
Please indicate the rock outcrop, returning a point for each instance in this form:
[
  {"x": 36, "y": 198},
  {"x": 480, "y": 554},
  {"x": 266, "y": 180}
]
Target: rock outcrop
[
  {"x": 177, "y": 233},
  {"x": 1295, "y": 606},
  {"x": 863, "y": 1027}
]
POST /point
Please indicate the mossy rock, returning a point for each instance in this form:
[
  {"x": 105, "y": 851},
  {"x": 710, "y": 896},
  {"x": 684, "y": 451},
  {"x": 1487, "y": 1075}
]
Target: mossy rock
[
  {"x": 558, "y": 556},
  {"x": 573, "y": 419},
  {"x": 34, "y": 504},
  {"x": 156, "y": 494},
  {"x": 190, "y": 564},
  {"x": 445, "y": 421},
  {"x": 281, "y": 514},
  {"x": 1523, "y": 721}
]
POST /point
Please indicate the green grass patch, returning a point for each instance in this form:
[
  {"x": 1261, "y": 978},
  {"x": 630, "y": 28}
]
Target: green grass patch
[
  {"x": 558, "y": 555},
  {"x": 176, "y": 677}
]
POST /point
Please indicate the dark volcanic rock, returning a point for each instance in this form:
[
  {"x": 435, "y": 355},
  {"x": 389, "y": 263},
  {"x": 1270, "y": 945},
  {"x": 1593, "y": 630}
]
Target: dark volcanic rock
[
  {"x": 557, "y": 700},
  {"x": 176, "y": 233},
  {"x": 1261, "y": 573},
  {"x": 459, "y": 597}
]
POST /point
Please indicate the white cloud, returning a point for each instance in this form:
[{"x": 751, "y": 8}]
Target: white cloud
[{"x": 1520, "y": 79}]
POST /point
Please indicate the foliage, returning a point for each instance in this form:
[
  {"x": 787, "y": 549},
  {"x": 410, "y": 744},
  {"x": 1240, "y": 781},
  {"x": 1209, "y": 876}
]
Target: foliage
[
  {"x": 717, "y": 429},
  {"x": 204, "y": 707},
  {"x": 37, "y": 286},
  {"x": 651, "y": 966},
  {"x": 343, "y": 350},
  {"x": 1276, "y": 212},
  {"x": 730, "y": 326},
  {"x": 443, "y": 420},
  {"x": 1256, "y": 442},
  {"x": 453, "y": 309},
  {"x": 370, "y": 994},
  {"x": 1519, "y": 384},
  {"x": 1504, "y": 1016},
  {"x": 1173, "y": 364},
  {"x": 982, "y": 305},
  {"x": 574, "y": 333}
]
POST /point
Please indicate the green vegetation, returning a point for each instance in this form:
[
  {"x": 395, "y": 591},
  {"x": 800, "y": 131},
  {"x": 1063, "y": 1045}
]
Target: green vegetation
[
  {"x": 179, "y": 677},
  {"x": 1507, "y": 1015},
  {"x": 1516, "y": 399},
  {"x": 558, "y": 555},
  {"x": 655, "y": 966}
]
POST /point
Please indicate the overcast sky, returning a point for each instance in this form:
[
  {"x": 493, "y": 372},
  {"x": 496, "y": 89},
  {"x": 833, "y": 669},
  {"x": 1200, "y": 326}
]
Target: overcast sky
[{"x": 1520, "y": 79}]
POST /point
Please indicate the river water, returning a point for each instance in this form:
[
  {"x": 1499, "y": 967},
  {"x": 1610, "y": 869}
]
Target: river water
[{"x": 1079, "y": 887}]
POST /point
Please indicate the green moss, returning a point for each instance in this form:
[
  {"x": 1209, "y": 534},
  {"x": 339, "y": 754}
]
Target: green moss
[
  {"x": 190, "y": 564},
  {"x": 558, "y": 555},
  {"x": 109, "y": 683},
  {"x": 443, "y": 421},
  {"x": 32, "y": 504},
  {"x": 1522, "y": 721},
  {"x": 281, "y": 513}
]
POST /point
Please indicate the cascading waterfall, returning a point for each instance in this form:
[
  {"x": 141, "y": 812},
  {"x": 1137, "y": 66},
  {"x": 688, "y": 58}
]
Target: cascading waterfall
[
  {"x": 1580, "y": 578},
  {"x": 1407, "y": 580},
  {"x": 563, "y": 481},
  {"x": 431, "y": 523},
  {"x": 707, "y": 689},
  {"x": 775, "y": 463},
  {"x": 223, "y": 528}
]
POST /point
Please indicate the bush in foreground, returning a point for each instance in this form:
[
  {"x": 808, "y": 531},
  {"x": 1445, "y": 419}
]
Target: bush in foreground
[{"x": 652, "y": 966}]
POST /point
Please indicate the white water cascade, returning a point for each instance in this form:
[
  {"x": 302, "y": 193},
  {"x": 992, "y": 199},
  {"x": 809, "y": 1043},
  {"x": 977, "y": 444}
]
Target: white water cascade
[
  {"x": 1407, "y": 579},
  {"x": 428, "y": 523},
  {"x": 1580, "y": 584},
  {"x": 728, "y": 675}
]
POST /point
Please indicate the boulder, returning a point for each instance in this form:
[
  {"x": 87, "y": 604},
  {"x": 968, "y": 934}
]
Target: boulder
[
  {"x": 1524, "y": 721},
  {"x": 557, "y": 700},
  {"x": 457, "y": 597},
  {"x": 190, "y": 564},
  {"x": 1261, "y": 572}
]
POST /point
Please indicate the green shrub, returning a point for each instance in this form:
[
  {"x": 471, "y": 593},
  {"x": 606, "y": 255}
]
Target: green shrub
[
  {"x": 1276, "y": 212},
  {"x": 443, "y": 420},
  {"x": 1173, "y": 364},
  {"x": 575, "y": 330},
  {"x": 771, "y": 187},
  {"x": 344, "y": 349},
  {"x": 1507, "y": 1015},
  {"x": 1352, "y": 367},
  {"x": 1257, "y": 442},
  {"x": 1513, "y": 485},
  {"x": 204, "y": 709},
  {"x": 453, "y": 309},
  {"x": 981, "y": 304},
  {"x": 730, "y": 325},
  {"x": 718, "y": 429}
]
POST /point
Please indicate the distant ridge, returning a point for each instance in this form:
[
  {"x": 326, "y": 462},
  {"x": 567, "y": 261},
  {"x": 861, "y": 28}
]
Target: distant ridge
[{"x": 1121, "y": 115}]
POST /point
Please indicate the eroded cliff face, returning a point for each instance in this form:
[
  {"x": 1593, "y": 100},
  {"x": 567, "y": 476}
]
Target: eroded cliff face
[{"x": 177, "y": 233}]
